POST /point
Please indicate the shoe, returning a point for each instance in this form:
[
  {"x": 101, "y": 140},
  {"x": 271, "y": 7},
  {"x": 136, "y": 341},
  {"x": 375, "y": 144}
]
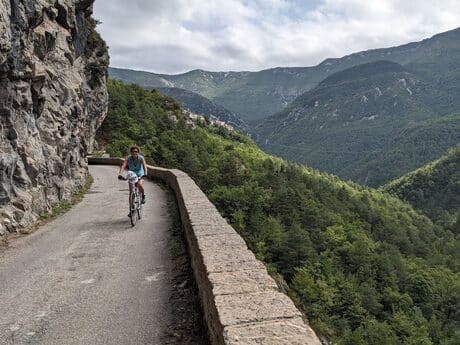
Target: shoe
[
  {"x": 129, "y": 214},
  {"x": 143, "y": 199}
]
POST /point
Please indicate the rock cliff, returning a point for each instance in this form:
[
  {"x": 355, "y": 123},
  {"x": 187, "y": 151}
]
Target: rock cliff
[{"x": 53, "y": 97}]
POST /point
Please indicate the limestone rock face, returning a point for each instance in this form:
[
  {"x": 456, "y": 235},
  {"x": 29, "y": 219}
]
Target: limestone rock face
[{"x": 53, "y": 97}]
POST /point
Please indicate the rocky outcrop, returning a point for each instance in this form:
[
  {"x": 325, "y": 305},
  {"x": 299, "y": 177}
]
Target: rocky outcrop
[{"x": 53, "y": 97}]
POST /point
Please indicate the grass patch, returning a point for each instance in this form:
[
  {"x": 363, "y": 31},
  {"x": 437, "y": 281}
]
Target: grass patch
[
  {"x": 56, "y": 211},
  {"x": 64, "y": 206},
  {"x": 98, "y": 154}
]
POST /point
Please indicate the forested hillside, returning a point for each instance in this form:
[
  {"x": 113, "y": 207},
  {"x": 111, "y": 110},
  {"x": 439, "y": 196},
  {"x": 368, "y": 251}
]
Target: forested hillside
[
  {"x": 434, "y": 189},
  {"x": 363, "y": 266},
  {"x": 200, "y": 105},
  {"x": 370, "y": 123}
]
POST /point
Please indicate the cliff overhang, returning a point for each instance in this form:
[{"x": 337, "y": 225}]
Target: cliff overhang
[{"x": 53, "y": 97}]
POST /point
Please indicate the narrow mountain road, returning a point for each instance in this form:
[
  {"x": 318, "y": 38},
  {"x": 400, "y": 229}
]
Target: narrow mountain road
[{"x": 88, "y": 277}]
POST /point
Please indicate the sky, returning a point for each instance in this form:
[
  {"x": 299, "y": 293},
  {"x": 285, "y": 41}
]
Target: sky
[{"x": 176, "y": 36}]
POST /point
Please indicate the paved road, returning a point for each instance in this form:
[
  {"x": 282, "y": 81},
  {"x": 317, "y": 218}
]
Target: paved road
[{"x": 89, "y": 278}]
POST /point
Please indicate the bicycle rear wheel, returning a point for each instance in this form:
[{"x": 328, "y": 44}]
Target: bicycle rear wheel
[{"x": 132, "y": 209}]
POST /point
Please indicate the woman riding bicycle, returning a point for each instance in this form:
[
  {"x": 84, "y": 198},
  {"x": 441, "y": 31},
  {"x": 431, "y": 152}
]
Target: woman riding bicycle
[{"x": 135, "y": 162}]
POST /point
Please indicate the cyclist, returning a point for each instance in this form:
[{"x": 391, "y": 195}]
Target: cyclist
[{"x": 135, "y": 162}]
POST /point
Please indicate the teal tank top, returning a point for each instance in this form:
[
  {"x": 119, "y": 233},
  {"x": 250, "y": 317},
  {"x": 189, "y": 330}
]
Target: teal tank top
[{"x": 138, "y": 168}]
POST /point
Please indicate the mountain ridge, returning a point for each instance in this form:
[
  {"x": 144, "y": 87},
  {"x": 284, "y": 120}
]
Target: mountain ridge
[
  {"x": 354, "y": 116},
  {"x": 257, "y": 95}
]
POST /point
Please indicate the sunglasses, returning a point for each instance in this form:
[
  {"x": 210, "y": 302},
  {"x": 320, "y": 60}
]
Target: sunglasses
[{"x": 134, "y": 151}]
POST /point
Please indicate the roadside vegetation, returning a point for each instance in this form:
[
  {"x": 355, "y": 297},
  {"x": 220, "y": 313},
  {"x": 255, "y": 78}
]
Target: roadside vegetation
[{"x": 64, "y": 206}]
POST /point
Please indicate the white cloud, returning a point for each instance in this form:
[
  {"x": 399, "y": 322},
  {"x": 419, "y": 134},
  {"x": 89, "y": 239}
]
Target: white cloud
[{"x": 219, "y": 35}]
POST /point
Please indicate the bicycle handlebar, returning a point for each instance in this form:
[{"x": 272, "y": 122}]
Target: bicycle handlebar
[{"x": 120, "y": 177}]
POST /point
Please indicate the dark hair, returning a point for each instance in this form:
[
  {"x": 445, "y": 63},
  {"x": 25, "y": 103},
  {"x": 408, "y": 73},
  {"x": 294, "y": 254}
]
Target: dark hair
[{"x": 134, "y": 147}]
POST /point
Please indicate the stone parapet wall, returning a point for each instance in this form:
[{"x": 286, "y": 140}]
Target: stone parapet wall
[{"x": 241, "y": 302}]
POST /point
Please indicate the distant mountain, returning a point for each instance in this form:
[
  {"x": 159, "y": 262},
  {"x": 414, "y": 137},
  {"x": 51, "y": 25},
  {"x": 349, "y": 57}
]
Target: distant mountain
[
  {"x": 250, "y": 95},
  {"x": 411, "y": 146},
  {"x": 434, "y": 189},
  {"x": 364, "y": 124},
  {"x": 198, "y": 104},
  {"x": 257, "y": 95}
]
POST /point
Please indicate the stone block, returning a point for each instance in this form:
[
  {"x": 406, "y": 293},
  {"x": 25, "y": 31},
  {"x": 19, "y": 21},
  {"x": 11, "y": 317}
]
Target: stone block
[
  {"x": 192, "y": 192},
  {"x": 238, "y": 282},
  {"x": 199, "y": 205},
  {"x": 239, "y": 309},
  {"x": 228, "y": 259},
  {"x": 279, "y": 332},
  {"x": 214, "y": 221},
  {"x": 197, "y": 214},
  {"x": 38, "y": 70},
  {"x": 218, "y": 241},
  {"x": 187, "y": 185}
]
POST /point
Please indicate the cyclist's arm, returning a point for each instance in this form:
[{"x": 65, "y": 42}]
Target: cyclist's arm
[
  {"x": 123, "y": 166},
  {"x": 145, "y": 166}
]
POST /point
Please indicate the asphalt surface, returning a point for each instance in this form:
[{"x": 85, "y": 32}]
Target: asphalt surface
[{"x": 88, "y": 277}]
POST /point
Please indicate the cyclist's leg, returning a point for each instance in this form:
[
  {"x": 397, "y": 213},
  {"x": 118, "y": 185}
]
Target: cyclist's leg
[
  {"x": 140, "y": 184},
  {"x": 130, "y": 187}
]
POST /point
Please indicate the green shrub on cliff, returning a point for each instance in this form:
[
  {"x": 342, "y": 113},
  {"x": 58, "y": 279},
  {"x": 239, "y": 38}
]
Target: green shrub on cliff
[
  {"x": 434, "y": 189},
  {"x": 362, "y": 265}
]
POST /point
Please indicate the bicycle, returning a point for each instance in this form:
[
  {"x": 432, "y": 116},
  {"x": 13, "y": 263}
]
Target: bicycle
[{"x": 135, "y": 201}]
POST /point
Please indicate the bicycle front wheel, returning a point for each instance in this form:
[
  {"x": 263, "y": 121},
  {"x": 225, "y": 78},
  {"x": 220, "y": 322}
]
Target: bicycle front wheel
[
  {"x": 132, "y": 209},
  {"x": 139, "y": 212}
]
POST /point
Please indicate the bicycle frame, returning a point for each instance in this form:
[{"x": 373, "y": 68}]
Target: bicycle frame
[{"x": 135, "y": 205}]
